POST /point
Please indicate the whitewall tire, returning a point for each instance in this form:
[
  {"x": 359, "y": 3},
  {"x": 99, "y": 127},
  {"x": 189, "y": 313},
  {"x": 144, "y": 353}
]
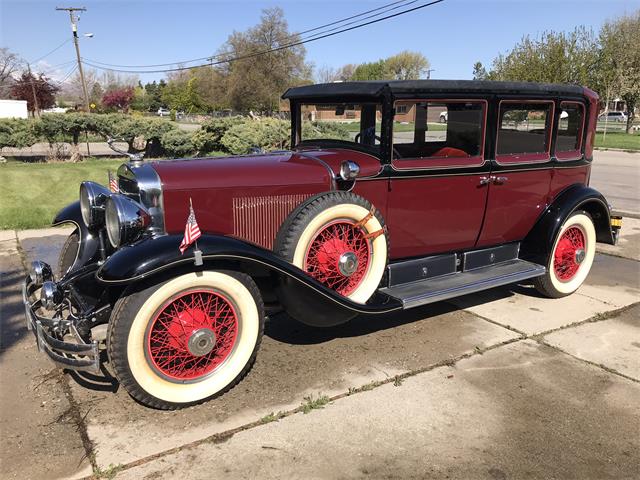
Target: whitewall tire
[
  {"x": 187, "y": 339},
  {"x": 571, "y": 257}
]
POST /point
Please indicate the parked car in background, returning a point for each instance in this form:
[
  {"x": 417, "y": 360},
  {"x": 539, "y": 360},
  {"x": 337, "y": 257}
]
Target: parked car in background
[
  {"x": 163, "y": 112},
  {"x": 613, "y": 117},
  {"x": 176, "y": 269}
]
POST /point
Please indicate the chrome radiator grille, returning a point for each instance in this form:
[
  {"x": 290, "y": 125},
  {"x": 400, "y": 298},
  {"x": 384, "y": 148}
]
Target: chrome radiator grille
[{"x": 257, "y": 219}]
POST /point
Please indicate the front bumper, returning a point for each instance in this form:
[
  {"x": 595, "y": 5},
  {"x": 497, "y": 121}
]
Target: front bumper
[{"x": 51, "y": 333}]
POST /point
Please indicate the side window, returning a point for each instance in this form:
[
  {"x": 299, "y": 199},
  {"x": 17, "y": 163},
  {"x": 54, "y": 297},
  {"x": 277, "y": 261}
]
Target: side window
[
  {"x": 523, "y": 133},
  {"x": 570, "y": 127},
  {"x": 436, "y": 134}
]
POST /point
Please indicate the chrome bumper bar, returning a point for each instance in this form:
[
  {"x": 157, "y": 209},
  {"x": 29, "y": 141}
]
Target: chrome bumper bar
[{"x": 78, "y": 355}]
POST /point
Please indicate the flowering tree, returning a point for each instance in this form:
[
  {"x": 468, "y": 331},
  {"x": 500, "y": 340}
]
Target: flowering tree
[
  {"x": 119, "y": 99},
  {"x": 24, "y": 87}
]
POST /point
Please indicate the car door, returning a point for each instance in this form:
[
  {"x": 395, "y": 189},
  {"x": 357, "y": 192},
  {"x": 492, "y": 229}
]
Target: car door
[
  {"x": 522, "y": 171},
  {"x": 438, "y": 176}
]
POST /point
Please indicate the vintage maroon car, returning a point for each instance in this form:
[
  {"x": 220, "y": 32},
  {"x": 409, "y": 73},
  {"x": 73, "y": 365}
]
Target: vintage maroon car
[{"x": 379, "y": 206}]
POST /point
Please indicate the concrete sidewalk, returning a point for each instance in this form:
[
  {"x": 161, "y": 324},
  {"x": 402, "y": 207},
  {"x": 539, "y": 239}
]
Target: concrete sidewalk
[{"x": 496, "y": 385}]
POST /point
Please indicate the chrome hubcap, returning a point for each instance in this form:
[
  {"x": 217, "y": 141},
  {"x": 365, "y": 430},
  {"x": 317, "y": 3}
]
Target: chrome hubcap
[
  {"x": 201, "y": 342},
  {"x": 580, "y": 255},
  {"x": 348, "y": 263}
]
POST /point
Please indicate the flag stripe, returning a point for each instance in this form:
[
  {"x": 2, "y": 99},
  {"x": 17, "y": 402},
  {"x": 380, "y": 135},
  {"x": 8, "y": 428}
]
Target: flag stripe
[{"x": 191, "y": 231}]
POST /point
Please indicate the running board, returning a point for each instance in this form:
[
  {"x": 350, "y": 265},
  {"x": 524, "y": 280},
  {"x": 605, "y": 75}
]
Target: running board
[{"x": 453, "y": 285}]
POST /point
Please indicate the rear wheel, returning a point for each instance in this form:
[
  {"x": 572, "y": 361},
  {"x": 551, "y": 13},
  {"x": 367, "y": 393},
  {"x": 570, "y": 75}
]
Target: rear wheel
[
  {"x": 186, "y": 340},
  {"x": 571, "y": 257}
]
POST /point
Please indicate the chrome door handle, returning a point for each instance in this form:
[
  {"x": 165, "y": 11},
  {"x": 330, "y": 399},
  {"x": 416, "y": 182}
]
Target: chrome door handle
[
  {"x": 485, "y": 180},
  {"x": 499, "y": 180}
]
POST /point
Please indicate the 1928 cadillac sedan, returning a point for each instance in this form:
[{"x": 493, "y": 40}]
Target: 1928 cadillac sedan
[{"x": 417, "y": 192}]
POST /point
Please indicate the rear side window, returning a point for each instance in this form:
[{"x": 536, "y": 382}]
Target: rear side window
[
  {"x": 570, "y": 128},
  {"x": 438, "y": 133},
  {"x": 524, "y": 131}
]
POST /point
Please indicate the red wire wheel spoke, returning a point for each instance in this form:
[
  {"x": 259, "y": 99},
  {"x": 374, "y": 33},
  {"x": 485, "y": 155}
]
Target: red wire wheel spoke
[
  {"x": 192, "y": 334},
  {"x": 565, "y": 264},
  {"x": 327, "y": 247}
]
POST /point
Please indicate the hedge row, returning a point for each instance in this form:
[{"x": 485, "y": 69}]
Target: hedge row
[{"x": 159, "y": 137}]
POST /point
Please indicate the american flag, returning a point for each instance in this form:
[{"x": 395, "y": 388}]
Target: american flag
[
  {"x": 191, "y": 230},
  {"x": 113, "y": 182}
]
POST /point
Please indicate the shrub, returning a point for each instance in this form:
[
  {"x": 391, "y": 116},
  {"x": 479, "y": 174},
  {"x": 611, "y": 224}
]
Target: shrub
[
  {"x": 17, "y": 133},
  {"x": 209, "y": 137},
  {"x": 333, "y": 130},
  {"x": 267, "y": 134},
  {"x": 147, "y": 132},
  {"x": 178, "y": 143}
]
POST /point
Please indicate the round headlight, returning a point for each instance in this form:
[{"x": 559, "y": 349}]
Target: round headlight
[
  {"x": 349, "y": 170},
  {"x": 93, "y": 197},
  {"x": 125, "y": 220}
]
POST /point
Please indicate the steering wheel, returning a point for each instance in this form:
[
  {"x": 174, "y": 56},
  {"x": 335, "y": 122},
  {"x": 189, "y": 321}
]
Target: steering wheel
[{"x": 357, "y": 137}]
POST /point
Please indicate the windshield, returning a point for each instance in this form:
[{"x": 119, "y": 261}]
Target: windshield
[{"x": 357, "y": 123}]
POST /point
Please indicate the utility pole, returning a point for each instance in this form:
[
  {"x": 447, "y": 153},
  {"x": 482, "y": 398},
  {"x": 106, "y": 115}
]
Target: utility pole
[
  {"x": 74, "y": 28},
  {"x": 36, "y": 109}
]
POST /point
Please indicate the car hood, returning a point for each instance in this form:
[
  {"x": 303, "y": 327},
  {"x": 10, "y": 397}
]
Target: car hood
[{"x": 300, "y": 167}]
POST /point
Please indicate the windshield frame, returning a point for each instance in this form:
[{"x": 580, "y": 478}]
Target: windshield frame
[{"x": 386, "y": 107}]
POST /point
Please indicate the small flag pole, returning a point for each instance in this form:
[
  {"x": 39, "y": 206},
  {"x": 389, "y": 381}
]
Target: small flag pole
[{"x": 197, "y": 253}]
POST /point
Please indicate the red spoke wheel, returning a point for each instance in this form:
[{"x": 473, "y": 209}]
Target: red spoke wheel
[
  {"x": 192, "y": 335},
  {"x": 339, "y": 256},
  {"x": 571, "y": 257},
  {"x": 569, "y": 253},
  {"x": 187, "y": 339},
  {"x": 340, "y": 240}
]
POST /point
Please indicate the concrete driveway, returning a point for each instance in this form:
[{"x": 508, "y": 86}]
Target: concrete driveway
[{"x": 502, "y": 384}]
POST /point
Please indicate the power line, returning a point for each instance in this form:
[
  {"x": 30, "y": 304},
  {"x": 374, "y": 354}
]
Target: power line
[
  {"x": 52, "y": 51},
  {"x": 281, "y": 47},
  {"x": 288, "y": 37}
]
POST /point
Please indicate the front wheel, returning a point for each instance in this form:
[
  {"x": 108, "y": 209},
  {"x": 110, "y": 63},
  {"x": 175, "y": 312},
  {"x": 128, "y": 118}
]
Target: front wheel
[
  {"x": 571, "y": 257},
  {"x": 185, "y": 340}
]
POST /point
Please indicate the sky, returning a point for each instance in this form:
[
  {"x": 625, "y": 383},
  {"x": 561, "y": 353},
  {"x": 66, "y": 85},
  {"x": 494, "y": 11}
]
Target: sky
[{"x": 453, "y": 35}]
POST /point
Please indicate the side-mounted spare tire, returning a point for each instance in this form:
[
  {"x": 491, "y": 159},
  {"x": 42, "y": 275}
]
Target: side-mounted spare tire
[{"x": 339, "y": 239}]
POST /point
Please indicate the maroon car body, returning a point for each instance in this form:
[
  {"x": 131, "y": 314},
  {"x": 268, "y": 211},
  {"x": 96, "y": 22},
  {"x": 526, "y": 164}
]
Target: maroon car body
[{"x": 443, "y": 188}]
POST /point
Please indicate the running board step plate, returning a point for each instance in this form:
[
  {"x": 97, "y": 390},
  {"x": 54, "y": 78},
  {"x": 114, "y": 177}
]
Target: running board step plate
[{"x": 463, "y": 283}]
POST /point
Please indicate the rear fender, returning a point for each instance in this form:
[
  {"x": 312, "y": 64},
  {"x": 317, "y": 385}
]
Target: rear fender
[
  {"x": 89, "y": 250},
  {"x": 538, "y": 244},
  {"x": 303, "y": 297}
]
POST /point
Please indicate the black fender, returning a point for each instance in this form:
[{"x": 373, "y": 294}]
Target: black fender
[
  {"x": 306, "y": 299},
  {"x": 537, "y": 245},
  {"x": 89, "y": 250}
]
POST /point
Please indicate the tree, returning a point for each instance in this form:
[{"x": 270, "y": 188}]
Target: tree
[
  {"x": 479, "y": 72},
  {"x": 118, "y": 99},
  {"x": 326, "y": 74},
  {"x": 619, "y": 61},
  {"x": 553, "y": 57},
  {"x": 345, "y": 73},
  {"x": 181, "y": 93},
  {"x": 406, "y": 65},
  {"x": 257, "y": 82},
  {"x": 9, "y": 63},
  {"x": 371, "y": 71},
  {"x": 45, "y": 91}
]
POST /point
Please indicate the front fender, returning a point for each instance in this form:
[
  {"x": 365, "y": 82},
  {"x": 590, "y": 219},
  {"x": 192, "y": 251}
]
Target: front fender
[
  {"x": 89, "y": 241},
  {"x": 537, "y": 246},
  {"x": 305, "y": 298}
]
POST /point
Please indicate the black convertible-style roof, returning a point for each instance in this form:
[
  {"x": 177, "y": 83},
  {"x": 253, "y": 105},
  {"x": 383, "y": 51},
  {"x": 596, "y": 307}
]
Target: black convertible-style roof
[{"x": 375, "y": 88}]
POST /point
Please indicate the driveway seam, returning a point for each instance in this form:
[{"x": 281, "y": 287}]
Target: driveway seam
[
  {"x": 222, "y": 437},
  {"x": 601, "y": 366},
  {"x": 78, "y": 419}
]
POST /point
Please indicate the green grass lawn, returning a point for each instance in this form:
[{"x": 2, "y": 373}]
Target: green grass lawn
[
  {"x": 32, "y": 193},
  {"x": 625, "y": 141}
]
